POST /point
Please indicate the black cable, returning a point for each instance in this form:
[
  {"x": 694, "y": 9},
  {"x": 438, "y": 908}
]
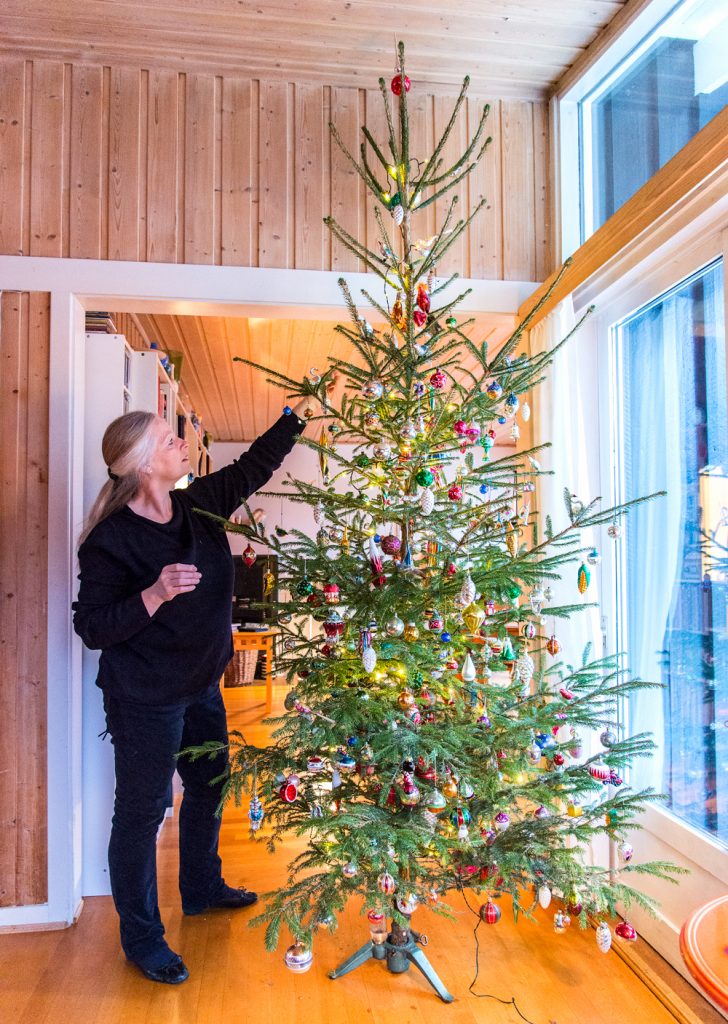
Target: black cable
[{"x": 486, "y": 995}]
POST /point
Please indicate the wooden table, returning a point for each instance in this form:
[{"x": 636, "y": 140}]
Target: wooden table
[
  {"x": 261, "y": 640},
  {"x": 704, "y": 948}
]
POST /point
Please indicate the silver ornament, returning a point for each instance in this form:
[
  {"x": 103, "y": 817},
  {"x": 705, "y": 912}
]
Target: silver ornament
[
  {"x": 427, "y": 502},
  {"x": 603, "y": 937},
  {"x": 467, "y": 591},
  {"x": 525, "y": 668}
]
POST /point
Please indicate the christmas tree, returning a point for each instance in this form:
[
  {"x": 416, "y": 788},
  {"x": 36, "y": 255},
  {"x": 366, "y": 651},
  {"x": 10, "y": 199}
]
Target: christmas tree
[{"x": 433, "y": 737}]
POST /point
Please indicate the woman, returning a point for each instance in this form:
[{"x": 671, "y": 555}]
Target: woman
[{"x": 155, "y": 598}]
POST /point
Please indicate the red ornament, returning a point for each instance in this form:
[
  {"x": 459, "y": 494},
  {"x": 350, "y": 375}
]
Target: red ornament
[
  {"x": 379, "y": 581},
  {"x": 419, "y": 318},
  {"x": 438, "y": 380},
  {"x": 423, "y": 299},
  {"x": 553, "y": 646},
  {"x": 288, "y": 792},
  {"x": 600, "y": 771},
  {"x": 452, "y": 569},
  {"x": 334, "y": 626},
  {"x": 425, "y": 771},
  {"x": 249, "y": 556},
  {"x": 328, "y": 650},
  {"x": 625, "y": 931},
  {"x": 566, "y": 693},
  {"x": 455, "y": 493},
  {"x": 460, "y": 426},
  {"x": 396, "y": 84},
  {"x": 331, "y": 593},
  {"x": 490, "y": 913},
  {"x": 558, "y": 759}
]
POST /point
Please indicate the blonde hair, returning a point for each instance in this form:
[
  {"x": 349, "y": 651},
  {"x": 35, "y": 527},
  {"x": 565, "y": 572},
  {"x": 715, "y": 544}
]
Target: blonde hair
[{"x": 128, "y": 444}]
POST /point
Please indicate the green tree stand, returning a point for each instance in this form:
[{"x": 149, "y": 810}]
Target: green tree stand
[{"x": 399, "y": 950}]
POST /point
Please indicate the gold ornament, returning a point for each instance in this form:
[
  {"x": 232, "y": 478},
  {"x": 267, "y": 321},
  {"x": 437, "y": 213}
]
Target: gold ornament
[
  {"x": 406, "y": 699},
  {"x": 473, "y": 617},
  {"x": 450, "y": 789},
  {"x": 411, "y": 632}
]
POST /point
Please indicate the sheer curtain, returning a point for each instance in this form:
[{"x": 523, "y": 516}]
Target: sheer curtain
[
  {"x": 565, "y": 415},
  {"x": 652, "y": 451}
]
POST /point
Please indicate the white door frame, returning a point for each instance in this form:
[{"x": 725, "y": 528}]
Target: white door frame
[{"x": 75, "y": 286}]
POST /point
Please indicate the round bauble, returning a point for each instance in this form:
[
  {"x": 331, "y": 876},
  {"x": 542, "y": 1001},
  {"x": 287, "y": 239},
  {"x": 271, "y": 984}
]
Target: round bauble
[
  {"x": 396, "y": 84},
  {"x": 298, "y": 958}
]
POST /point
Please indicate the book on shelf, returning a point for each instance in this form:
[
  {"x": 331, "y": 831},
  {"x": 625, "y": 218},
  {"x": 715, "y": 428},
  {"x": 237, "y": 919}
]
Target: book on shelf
[{"x": 100, "y": 322}]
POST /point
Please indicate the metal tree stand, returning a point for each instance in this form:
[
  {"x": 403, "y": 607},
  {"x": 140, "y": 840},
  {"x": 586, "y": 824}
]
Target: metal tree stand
[{"x": 399, "y": 950}]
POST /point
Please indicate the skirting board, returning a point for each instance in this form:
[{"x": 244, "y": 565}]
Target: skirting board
[{"x": 39, "y": 926}]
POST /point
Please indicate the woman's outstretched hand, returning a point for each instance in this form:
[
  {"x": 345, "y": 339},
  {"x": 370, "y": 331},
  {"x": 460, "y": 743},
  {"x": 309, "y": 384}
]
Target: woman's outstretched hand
[{"x": 174, "y": 579}]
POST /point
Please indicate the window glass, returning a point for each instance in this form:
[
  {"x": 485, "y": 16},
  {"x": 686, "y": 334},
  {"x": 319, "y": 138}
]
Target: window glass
[
  {"x": 672, "y": 435},
  {"x": 652, "y": 105}
]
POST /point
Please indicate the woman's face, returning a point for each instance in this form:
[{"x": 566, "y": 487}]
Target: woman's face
[{"x": 169, "y": 461}]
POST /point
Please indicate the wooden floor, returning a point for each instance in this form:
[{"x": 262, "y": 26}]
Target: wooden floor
[{"x": 79, "y": 976}]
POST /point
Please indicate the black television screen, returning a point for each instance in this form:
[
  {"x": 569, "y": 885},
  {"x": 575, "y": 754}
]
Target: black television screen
[{"x": 249, "y": 586}]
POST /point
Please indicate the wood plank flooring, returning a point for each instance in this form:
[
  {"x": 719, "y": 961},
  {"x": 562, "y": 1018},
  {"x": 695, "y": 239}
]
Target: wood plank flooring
[{"x": 79, "y": 976}]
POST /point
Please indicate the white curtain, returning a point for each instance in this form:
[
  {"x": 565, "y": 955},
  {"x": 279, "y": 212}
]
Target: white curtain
[
  {"x": 565, "y": 415},
  {"x": 653, "y": 460}
]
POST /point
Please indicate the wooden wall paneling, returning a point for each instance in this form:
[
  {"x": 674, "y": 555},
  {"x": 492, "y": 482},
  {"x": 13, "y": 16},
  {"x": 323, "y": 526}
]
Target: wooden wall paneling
[
  {"x": 84, "y": 142},
  {"x": 376, "y": 121},
  {"x": 422, "y": 143},
  {"x": 12, "y": 155},
  {"x": 274, "y": 161},
  {"x": 24, "y": 342},
  {"x": 347, "y": 204},
  {"x": 47, "y": 153},
  {"x": 213, "y": 361},
  {"x": 199, "y": 181},
  {"x": 162, "y": 170},
  {"x": 124, "y": 164},
  {"x": 457, "y": 258},
  {"x": 486, "y": 230},
  {"x": 32, "y": 589},
  {"x": 311, "y": 167},
  {"x": 240, "y": 340},
  {"x": 11, "y": 346},
  {"x": 239, "y": 174},
  {"x": 518, "y": 191},
  {"x": 543, "y": 205}
]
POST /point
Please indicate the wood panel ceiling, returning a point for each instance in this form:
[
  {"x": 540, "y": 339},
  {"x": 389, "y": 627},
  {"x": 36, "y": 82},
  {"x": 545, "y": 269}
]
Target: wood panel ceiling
[
  {"x": 509, "y": 47},
  {"x": 233, "y": 400}
]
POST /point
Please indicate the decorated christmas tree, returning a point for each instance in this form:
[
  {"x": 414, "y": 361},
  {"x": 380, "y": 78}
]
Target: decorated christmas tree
[{"x": 434, "y": 737}]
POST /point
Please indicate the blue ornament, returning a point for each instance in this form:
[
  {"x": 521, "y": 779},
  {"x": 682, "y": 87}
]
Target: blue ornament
[
  {"x": 287, "y": 410},
  {"x": 352, "y": 741},
  {"x": 445, "y": 637},
  {"x": 377, "y": 538},
  {"x": 501, "y": 420}
]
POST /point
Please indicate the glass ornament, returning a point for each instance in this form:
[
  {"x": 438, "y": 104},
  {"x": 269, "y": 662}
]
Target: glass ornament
[
  {"x": 394, "y": 627},
  {"x": 544, "y": 897},
  {"x": 255, "y": 814},
  {"x": 427, "y": 502},
  {"x": 603, "y": 937},
  {"x": 490, "y": 913},
  {"x": 625, "y": 931},
  {"x": 373, "y": 390},
  {"x": 386, "y": 883},
  {"x": 350, "y": 870},
  {"x": 593, "y": 558},
  {"x": 298, "y": 958}
]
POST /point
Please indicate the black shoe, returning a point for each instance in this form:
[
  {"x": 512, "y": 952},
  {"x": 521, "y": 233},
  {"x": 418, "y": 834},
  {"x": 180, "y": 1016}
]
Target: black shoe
[
  {"x": 173, "y": 973},
  {"x": 232, "y": 899}
]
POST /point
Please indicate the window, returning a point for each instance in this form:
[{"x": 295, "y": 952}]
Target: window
[
  {"x": 650, "y": 105},
  {"x": 671, "y": 434}
]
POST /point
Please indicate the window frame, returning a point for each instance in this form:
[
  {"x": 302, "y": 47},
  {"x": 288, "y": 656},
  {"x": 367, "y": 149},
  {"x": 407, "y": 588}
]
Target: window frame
[
  {"x": 570, "y": 123},
  {"x": 628, "y": 285}
]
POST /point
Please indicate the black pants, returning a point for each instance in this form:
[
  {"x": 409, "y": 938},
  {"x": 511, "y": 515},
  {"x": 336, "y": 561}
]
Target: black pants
[{"x": 146, "y": 740}]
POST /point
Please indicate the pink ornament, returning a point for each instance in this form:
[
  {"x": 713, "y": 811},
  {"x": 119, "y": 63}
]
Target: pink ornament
[
  {"x": 438, "y": 380},
  {"x": 331, "y": 593},
  {"x": 391, "y": 544},
  {"x": 473, "y": 433},
  {"x": 460, "y": 426},
  {"x": 419, "y": 317},
  {"x": 455, "y": 493},
  {"x": 600, "y": 771},
  {"x": 566, "y": 693}
]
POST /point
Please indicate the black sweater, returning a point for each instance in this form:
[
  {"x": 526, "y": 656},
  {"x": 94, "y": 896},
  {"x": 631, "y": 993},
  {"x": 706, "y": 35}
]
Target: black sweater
[{"x": 184, "y": 647}]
